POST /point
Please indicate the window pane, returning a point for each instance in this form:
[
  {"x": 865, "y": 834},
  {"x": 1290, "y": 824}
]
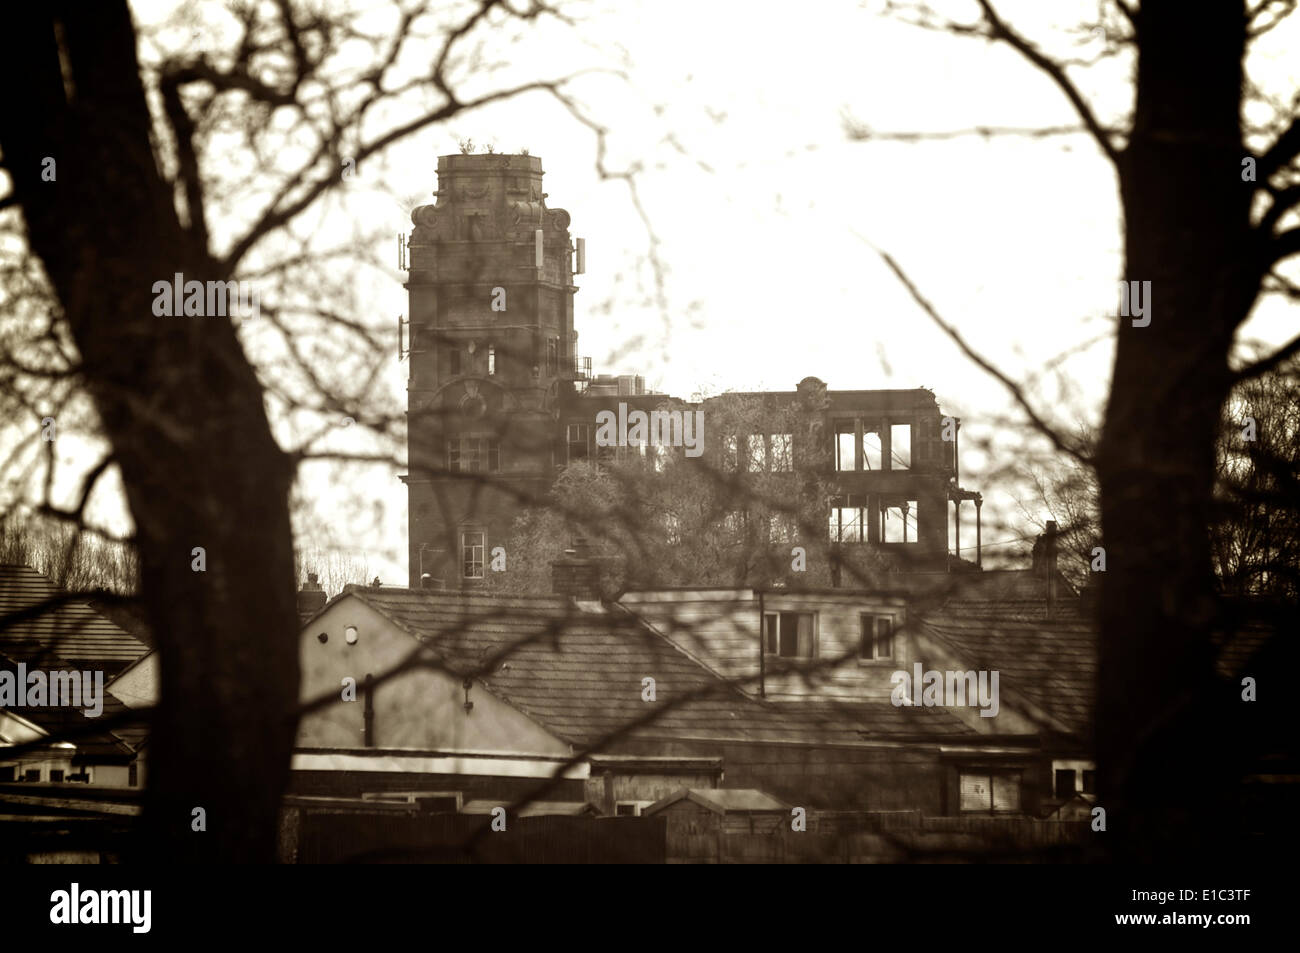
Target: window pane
[
  {"x": 805, "y": 647},
  {"x": 770, "y": 632},
  {"x": 866, "y": 636},
  {"x": 884, "y": 637},
  {"x": 789, "y": 635},
  {"x": 976, "y": 792},
  {"x": 756, "y": 457},
  {"x": 471, "y": 550},
  {"x": 1006, "y": 792}
]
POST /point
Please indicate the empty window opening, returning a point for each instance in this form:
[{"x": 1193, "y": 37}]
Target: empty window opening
[
  {"x": 900, "y": 447},
  {"x": 898, "y": 522},
  {"x": 872, "y": 451},
  {"x": 756, "y": 453},
  {"x": 845, "y": 447},
  {"x": 659, "y": 454},
  {"x": 788, "y": 634},
  {"x": 579, "y": 442},
  {"x": 780, "y": 528},
  {"x": 848, "y": 520},
  {"x": 729, "y": 455},
  {"x": 782, "y": 460}
]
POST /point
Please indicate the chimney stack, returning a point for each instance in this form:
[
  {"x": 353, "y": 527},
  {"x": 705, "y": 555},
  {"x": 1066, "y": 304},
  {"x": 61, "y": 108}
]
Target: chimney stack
[
  {"x": 311, "y": 598},
  {"x": 1050, "y": 560},
  {"x": 576, "y": 574}
]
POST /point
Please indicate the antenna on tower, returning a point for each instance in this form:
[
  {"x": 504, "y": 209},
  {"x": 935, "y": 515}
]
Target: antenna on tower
[
  {"x": 401, "y": 251},
  {"x": 400, "y": 352}
]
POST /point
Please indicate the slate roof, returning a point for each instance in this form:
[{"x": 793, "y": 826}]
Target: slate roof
[
  {"x": 55, "y": 719},
  {"x": 722, "y": 800},
  {"x": 73, "y": 631},
  {"x": 579, "y": 674},
  {"x": 1049, "y": 662}
]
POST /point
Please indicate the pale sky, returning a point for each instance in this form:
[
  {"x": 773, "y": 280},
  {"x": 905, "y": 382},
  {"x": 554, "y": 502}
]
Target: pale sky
[{"x": 761, "y": 206}]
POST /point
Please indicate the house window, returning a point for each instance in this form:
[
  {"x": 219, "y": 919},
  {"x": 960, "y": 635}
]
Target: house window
[
  {"x": 133, "y": 774},
  {"x": 1089, "y": 782},
  {"x": 473, "y": 454},
  {"x": 872, "y": 450},
  {"x": 472, "y": 545},
  {"x": 8, "y": 773},
  {"x": 734, "y": 523},
  {"x": 876, "y": 637},
  {"x": 788, "y": 634},
  {"x": 32, "y": 775},
  {"x": 627, "y": 809},
  {"x": 900, "y": 447},
  {"x": 492, "y": 359},
  {"x": 779, "y": 451},
  {"x": 552, "y": 355},
  {"x": 1065, "y": 783},
  {"x": 990, "y": 792},
  {"x": 579, "y": 441},
  {"x": 898, "y": 522},
  {"x": 756, "y": 455},
  {"x": 848, "y": 520}
]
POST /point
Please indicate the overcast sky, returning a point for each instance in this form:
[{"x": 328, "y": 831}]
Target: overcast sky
[{"x": 734, "y": 116}]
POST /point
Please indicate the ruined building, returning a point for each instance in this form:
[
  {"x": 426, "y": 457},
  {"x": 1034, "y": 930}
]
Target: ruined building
[{"x": 499, "y": 401}]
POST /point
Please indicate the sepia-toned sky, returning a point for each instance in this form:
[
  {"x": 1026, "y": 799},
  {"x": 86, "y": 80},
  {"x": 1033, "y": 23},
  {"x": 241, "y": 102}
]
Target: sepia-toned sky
[{"x": 764, "y": 212}]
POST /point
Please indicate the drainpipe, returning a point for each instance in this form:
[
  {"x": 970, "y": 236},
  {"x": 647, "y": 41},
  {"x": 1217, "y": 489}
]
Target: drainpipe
[{"x": 368, "y": 715}]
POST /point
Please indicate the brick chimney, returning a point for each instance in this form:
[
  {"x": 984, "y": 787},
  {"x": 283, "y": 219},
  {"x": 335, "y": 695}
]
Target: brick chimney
[
  {"x": 1049, "y": 547},
  {"x": 311, "y": 598},
  {"x": 577, "y": 573}
]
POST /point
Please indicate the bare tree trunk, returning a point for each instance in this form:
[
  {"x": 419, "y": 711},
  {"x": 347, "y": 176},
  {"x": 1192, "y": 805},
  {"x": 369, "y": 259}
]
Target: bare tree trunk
[
  {"x": 1161, "y": 733},
  {"x": 183, "y": 411}
]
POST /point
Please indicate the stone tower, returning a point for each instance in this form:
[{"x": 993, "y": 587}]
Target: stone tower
[{"x": 490, "y": 280}]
